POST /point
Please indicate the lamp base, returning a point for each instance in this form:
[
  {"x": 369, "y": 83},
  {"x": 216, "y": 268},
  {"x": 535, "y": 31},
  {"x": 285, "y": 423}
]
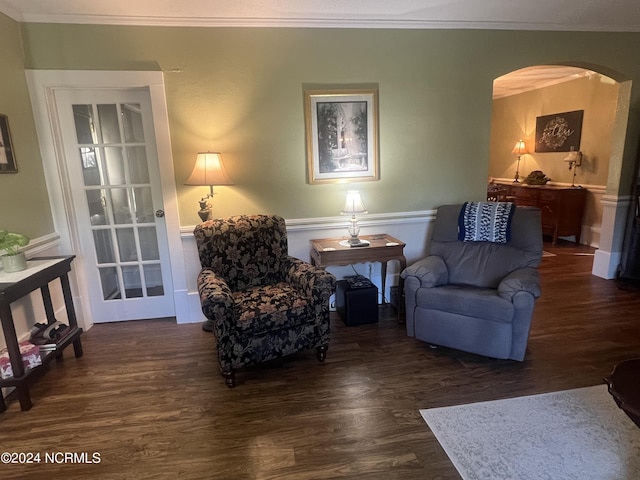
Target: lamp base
[
  {"x": 354, "y": 243},
  {"x": 205, "y": 210}
]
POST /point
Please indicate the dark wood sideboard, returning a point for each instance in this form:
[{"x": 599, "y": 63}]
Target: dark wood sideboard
[{"x": 562, "y": 207}]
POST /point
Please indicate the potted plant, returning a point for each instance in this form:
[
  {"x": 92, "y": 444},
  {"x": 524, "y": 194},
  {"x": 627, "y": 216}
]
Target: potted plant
[{"x": 13, "y": 260}]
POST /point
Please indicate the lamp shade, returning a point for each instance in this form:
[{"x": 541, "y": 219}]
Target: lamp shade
[
  {"x": 209, "y": 170},
  {"x": 572, "y": 156},
  {"x": 520, "y": 148},
  {"x": 353, "y": 204}
]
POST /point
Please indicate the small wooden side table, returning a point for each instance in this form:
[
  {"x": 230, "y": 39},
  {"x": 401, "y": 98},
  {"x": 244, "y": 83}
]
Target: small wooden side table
[
  {"x": 382, "y": 248},
  {"x": 13, "y": 286}
]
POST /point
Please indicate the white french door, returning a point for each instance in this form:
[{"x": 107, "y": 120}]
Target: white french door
[{"x": 109, "y": 149}]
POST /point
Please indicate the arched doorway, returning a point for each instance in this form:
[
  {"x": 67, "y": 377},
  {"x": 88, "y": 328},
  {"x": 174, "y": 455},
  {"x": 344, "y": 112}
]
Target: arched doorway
[{"x": 525, "y": 94}]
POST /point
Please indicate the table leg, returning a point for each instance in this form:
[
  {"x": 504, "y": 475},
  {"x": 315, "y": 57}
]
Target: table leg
[
  {"x": 71, "y": 312},
  {"x": 401, "y": 308},
  {"x": 48, "y": 305},
  {"x": 383, "y": 272}
]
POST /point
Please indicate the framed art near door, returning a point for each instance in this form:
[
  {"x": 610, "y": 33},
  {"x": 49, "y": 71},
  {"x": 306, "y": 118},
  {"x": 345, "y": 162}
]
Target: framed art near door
[{"x": 7, "y": 158}]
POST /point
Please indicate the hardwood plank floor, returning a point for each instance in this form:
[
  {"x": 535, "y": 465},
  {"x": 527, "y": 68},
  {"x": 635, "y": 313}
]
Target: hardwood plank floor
[{"x": 147, "y": 395}]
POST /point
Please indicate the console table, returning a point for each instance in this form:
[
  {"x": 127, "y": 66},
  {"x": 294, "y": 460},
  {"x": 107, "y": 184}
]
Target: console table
[
  {"x": 562, "y": 208},
  {"x": 13, "y": 286},
  {"x": 382, "y": 248}
]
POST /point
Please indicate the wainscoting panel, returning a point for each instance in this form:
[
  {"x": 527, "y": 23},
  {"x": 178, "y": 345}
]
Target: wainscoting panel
[{"x": 410, "y": 227}]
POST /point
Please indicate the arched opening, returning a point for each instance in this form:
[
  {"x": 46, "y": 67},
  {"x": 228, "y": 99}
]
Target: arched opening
[{"x": 522, "y": 97}]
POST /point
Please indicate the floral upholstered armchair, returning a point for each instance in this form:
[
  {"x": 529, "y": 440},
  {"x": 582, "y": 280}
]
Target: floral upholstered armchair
[{"x": 260, "y": 302}]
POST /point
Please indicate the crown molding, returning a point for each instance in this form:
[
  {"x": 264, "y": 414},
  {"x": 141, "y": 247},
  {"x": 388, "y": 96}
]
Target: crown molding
[{"x": 241, "y": 22}]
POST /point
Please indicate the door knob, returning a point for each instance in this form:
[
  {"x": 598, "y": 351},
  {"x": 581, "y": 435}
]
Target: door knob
[{"x": 159, "y": 213}]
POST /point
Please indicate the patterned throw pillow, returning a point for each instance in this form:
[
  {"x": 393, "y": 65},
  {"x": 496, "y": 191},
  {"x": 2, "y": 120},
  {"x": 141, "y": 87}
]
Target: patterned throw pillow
[{"x": 485, "y": 222}]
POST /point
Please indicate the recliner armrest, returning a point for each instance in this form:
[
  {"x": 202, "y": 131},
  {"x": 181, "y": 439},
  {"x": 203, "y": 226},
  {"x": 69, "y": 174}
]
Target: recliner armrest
[
  {"x": 215, "y": 298},
  {"x": 431, "y": 271},
  {"x": 521, "y": 280},
  {"x": 314, "y": 281}
]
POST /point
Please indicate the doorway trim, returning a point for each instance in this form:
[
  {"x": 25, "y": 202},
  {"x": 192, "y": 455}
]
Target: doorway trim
[{"x": 42, "y": 86}]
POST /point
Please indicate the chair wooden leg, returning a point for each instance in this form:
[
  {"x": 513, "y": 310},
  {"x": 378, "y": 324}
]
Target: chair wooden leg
[
  {"x": 229, "y": 377},
  {"x": 322, "y": 352}
]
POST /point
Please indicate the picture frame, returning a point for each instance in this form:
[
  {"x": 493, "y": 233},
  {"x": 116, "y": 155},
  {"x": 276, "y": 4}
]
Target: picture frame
[
  {"x": 342, "y": 135},
  {"x": 559, "y": 132},
  {"x": 7, "y": 158}
]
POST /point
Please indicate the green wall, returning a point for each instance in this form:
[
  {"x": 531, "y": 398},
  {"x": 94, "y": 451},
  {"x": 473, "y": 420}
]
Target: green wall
[
  {"x": 24, "y": 203},
  {"x": 240, "y": 91}
]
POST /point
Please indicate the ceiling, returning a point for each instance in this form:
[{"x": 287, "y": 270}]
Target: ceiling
[
  {"x": 578, "y": 15},
  {"x": 540, "y": 76},
  {"x": 568, "y": 15}
]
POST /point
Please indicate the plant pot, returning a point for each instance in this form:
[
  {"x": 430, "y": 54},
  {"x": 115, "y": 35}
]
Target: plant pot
[{"x": 14, "y": 263}]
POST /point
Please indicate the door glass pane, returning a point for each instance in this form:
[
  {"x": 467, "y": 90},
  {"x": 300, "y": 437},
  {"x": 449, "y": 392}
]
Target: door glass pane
[
  {"x": 148, "y": 243},
  {"x": 90, "y": 166},
  {"x": 132, "y": 123},
  {"x": 143, "y": 204},
  {"x": 97, "y": 212},
  {"x": 153, "y": 280},
  {"x": 120, "y": 204},
  {"x": 83, "y": 116},
  {"x": 132, "y": 284},
  {"x": 115, "y": 166},
  {"x": 104, "y": 246},
  {"x": 109, "y": 127},
  {"x": 127, "y": 245},
  {"x": 138, "y": 167},
  {"x": 109, "y": 282}
]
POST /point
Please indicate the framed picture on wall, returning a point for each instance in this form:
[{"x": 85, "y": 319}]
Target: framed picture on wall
[
  {"x": 559, "y": 132},
  {"x": 7, "y": 159},
  {"x": 342, "y": 135}
]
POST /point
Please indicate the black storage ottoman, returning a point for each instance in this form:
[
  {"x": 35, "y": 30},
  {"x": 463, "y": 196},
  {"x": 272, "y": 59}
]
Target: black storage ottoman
[{"x": 357, "y": 300}]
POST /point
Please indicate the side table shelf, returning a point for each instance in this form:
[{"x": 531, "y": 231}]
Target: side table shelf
[{"x": 40, "y": 272}]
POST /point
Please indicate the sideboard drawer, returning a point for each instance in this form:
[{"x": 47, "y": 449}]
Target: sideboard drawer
[{"x": 548, "y": 196}]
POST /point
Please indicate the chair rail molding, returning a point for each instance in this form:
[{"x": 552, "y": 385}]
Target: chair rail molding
[{"x": 410, "y": 227}]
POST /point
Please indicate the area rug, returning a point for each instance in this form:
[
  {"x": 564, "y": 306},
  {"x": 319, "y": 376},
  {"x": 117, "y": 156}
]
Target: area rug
[{"x": 574, "y": 434}]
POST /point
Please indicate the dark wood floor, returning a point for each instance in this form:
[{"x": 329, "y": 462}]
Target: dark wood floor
[{"x": 147, "y": 395}]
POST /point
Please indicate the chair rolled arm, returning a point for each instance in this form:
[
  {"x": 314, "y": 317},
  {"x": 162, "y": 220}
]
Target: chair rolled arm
[
  {"x": 314, "y": 281},
  {"x": 431, "y": 271},
  {"x": 521, "y": 280},
  {"x": 215, "y": 298}
]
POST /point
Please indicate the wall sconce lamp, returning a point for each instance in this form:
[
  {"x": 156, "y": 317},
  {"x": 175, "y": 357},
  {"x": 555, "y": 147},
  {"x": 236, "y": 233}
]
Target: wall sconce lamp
[
  {"x": 519, "y": 150},
  {"x": 353, "y": 206},
  {"x": 208, "y": 171},
  {"x": 574, "y": 159}
]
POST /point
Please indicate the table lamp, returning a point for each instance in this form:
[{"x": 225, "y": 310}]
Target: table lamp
[
  {"x": 353, "y": 206},
  {"x": 519, "y": 150},
  {"x": 208, "y": 171}
]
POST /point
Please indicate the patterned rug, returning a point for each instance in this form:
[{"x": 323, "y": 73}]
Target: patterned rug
[{"x": 575, "y": 434}]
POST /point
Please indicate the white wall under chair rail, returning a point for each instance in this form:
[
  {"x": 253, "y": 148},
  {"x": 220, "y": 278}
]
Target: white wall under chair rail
[{"x": 409, "y": 227}]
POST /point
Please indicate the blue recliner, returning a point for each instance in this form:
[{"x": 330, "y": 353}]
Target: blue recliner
[{"x": 476, "y": 296}]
